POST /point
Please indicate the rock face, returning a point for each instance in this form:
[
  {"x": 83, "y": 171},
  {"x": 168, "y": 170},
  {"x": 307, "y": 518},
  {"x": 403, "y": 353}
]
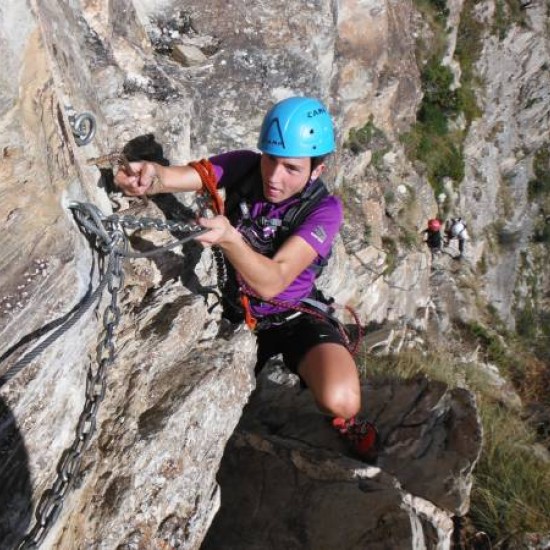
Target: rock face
[
  {"x": 180, "y": 380},
  {"x": 501, "y": 147},
  {"x": 289, "y": 482}
]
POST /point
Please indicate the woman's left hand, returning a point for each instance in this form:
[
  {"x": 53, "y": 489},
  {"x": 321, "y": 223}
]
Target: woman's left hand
[{"x": 221, "y": 231}]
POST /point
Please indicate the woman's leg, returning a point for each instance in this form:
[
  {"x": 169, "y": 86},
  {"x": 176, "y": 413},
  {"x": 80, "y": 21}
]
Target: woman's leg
[{"x": 330, "y": 373}]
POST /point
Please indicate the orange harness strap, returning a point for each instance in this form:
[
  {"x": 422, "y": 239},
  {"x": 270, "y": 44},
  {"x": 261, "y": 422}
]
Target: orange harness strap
[
  {"x": 209, "y": 185},
  {"x": 249, "y": 319}
]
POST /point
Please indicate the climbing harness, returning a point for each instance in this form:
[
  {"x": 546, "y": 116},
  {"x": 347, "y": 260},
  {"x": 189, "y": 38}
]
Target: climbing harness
[
  {"x": 107, "y": 234},
  {"x": 321, "y": 310}
]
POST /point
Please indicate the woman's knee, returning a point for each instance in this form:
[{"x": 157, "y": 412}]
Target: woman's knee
[
  {"x": 343, "y": 401},
  {"x": 330, "y": 373}
]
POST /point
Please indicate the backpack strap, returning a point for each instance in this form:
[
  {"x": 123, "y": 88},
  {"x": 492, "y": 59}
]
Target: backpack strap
[
  {"x": 309, "y": 199},
  {"x": 298, "y": 212},
  {"x": 244, "y": 190}
]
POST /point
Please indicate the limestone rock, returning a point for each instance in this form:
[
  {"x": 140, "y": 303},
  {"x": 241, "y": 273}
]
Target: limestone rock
[
  {"x": 188, "y": 55},
  {"x": 180, "y": 382}
]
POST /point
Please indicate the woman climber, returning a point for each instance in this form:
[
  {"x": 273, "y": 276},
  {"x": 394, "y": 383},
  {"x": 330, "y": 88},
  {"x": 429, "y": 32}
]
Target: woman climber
[{"x": 275, "y": 260}]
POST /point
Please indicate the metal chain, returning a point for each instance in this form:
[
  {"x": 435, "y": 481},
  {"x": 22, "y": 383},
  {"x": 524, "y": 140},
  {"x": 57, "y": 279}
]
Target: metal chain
[
  {"x": 112, "y": 241},
  {"x": 68, "y": 467},
  {"x": 99, "y": 225},
  {"x": 221, "y": 267},
  {"x": 131, "y": 222}
]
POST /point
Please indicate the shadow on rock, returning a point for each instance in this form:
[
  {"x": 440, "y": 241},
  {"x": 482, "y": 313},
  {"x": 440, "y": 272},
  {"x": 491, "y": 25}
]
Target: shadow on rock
[{"x": 15, "y": 483}]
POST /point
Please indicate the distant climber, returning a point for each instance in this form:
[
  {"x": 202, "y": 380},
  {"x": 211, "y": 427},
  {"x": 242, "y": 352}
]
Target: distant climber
[
  {"x": 276, "y": 231},
  {"x": 432, "y": 236},
  {"x": 455, "y": 228}
]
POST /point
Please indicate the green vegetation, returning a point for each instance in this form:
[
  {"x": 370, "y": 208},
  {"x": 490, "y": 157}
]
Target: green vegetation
[
  {"x": 506, "y": 237},
  {"x": 467, "y": 51},
  {"x": 431, "y": 140},
  {"x": 539, "y": 190},
  {"x": 540, "y": 184},
  {"x": 511, "y": 492},
  {"x": 368, "y": 137},
  {"x": 367, "y": 233},
  {"x": 489, "y": 342},
  {"x": 438, "y": 8},
  {"x": 408, "y": 239},
  {"x": 541, "y": 234},
  {"x": 390, "y": 247},
  {"x": 389, "y": 197},
  {"x": 526, "y": 323},
  {"x": 435, "y": 13},
  {"x": 507, "y": 14},
  {"x": 482, "y": 266},
  {"x": 533, "y": 328},
  {"x": 517, "y": 355}
]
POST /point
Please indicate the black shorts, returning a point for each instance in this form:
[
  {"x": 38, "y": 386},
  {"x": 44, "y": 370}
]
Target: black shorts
[{"x": 294, "y": 339}]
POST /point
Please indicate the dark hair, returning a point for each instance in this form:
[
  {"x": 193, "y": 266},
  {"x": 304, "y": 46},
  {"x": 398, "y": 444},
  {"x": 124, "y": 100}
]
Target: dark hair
[{"x": 315, "y": 161}]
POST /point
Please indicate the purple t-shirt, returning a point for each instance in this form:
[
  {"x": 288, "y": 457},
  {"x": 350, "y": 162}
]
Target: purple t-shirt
[{"x": 318, "y": 229}]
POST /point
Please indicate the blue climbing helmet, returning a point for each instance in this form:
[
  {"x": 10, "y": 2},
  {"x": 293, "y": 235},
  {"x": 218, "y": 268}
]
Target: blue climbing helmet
[{"x": 297, "y": 127}]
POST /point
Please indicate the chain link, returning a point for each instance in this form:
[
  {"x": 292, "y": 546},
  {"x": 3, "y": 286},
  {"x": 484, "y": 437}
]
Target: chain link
[
  {"x": 131, "y": 222},
  {"x": 111, "y": 240},
  {"x": 68, "y": 467}
]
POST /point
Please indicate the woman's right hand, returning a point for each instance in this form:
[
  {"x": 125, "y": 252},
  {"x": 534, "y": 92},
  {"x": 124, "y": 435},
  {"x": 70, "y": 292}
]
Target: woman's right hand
[{"x": 139, "y": 182}]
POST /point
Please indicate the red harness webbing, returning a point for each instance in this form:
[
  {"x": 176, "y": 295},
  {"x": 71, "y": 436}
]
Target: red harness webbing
[{"x": 246, "y": 293}]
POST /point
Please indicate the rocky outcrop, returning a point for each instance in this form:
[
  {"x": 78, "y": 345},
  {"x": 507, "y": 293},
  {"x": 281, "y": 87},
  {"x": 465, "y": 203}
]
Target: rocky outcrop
[{"x": 289, "y": 481}]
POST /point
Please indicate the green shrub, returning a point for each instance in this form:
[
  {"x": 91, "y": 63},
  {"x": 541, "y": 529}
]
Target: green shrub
[
  {"x": 437, "y": 80},
  {"x": 540, "y": 185},
  {"x": 389, "y": 197},
  {"x": 526, "y": 324},
  {"x": 367, "y": 137},
  {"x": 511, "y": 492},
  {"x": 390, "y": 247},
  {"x": 409, "y": 239},
  {"x": 436, "y": 8}
]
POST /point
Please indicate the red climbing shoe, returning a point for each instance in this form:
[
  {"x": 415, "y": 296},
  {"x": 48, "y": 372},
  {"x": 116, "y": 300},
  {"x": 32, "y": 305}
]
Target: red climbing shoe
[{"x": 362, "y": 435}]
